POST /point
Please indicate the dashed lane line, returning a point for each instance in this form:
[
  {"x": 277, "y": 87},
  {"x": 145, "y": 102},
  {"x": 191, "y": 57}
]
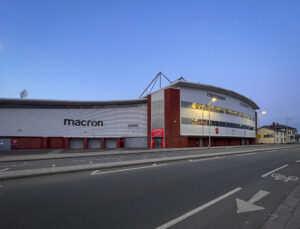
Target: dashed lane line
[
  {"x": 219, "y": 157},
  {"x": 97, "y": 159},
  {"x": 15, "y": 165},
  {"x": 55, "y": 151},
  {"x": 2, "y": 170},
  {"x": 268, "y": 173},
  {"x": 298, "y": 161},
  {"x": 196, "y": 210},
  {"x": 98, "y": 172},
  {"x": 205, "y": 159}
]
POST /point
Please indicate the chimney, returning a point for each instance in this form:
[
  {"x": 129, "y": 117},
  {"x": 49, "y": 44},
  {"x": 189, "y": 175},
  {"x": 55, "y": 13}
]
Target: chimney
[{"x": 273, "y": 125}]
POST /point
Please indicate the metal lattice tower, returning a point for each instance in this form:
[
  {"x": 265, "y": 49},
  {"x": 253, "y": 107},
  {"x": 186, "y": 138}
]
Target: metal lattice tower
[{"x": 154, "y": 82}]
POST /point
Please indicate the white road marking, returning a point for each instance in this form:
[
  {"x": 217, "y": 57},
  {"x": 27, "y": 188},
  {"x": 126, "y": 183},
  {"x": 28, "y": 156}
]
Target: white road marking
[
  {"x": 4, "y": 170},
  {"x": 91, "y": 162},
  {"x": 244, "y": 154},
  {"x": 267, "y": 174},
  {"x": 15, "y": 165},
  {"x": 298, "y": 161},
  {"x": 53, "y": 165},
  {"x": 55, "y": 151},
  {"x": 285, "y": 179},
  {"x": 219, "y": 157},
  {"x": 205, "y": 159},
  {"x": 97, "y": 159},
  {"x": 248, "y": 206},
  {"x": 98, "y": 172},
  {"x": 196, "y": 210}
]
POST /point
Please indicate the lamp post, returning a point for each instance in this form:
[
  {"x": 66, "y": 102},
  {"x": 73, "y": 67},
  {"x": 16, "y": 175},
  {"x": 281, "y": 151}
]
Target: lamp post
[
  {"x": 260, "y": 113},
  {"x": 209, "y": 105}
]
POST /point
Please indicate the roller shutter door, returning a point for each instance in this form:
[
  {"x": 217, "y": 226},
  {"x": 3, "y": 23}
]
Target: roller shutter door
[
  {"x": 5, "y": 144},
  {"x": 135, "y": 143},
  {"x": 94, "y": 143},
  {"x": 110, "y": 143},
  {"x": 76, "y": 143}
]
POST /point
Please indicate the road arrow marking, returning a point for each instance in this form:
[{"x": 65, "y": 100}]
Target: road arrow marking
[
  {"x": 244, "y": 206},
  {"x": 198, "y": 209}
]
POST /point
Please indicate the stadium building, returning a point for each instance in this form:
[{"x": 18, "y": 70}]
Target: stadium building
[{"x": 175, "y": 116}]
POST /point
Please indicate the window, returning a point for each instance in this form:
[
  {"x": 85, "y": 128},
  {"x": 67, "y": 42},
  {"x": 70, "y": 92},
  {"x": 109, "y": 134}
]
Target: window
[
  {"x": 269, "y": 136},
  {"x": 203, "y": 122},
  {"x": 244, "y": 105},
  {"x": 209, "y": 94},
  {"x": 197, "y": 106}
]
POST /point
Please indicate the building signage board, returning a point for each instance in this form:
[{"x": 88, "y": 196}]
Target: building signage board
[
  {"x": 14, "y": 142},
  {"x": 104, "y": 122}
]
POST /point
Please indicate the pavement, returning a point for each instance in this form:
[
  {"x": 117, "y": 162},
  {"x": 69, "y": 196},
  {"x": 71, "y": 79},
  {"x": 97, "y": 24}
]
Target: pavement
[
  {"x": 25, "y": 155},
  {"x": 287, "y": 214},
  {"x": 245, "y": 190},
  {"x": 37, "y": 165}
]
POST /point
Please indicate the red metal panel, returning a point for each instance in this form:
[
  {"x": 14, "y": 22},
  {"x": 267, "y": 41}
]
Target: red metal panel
[
  {"x": 27, "y": 143},
  {"x": 66, "y": 143},
  {"x": 55, "y": 143},
  {"x": 157, "y": 132},
  {"x": 85, "y": 143},
  {"x": 118, "y": 142},
  {"x": 102, "y": 143}
]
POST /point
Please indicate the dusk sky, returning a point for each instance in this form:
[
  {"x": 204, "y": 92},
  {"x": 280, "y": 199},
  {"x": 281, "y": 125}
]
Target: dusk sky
[{"x": 111, "y": 50}]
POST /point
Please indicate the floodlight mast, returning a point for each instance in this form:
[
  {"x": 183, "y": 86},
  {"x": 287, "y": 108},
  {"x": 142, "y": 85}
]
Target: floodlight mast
[
  {"x": 154, "y": 81},
  {"x": 23, "y": 94}
]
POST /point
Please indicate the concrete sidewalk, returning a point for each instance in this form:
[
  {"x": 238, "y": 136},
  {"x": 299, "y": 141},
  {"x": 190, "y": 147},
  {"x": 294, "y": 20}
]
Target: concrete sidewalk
[
  {"x": 68, "y": 154},
  {"x": 78, "y": 168},
  {"x": 287, "y": 215}
]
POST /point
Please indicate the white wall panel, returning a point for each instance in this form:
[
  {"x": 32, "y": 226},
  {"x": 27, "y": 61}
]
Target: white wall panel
[
  {"x": 196, "y": 130},
  {"x": 50, "y": 122}
]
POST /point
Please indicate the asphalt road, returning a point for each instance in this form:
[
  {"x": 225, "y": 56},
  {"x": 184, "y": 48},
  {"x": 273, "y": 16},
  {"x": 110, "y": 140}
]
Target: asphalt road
[{"x": 187, "y": 194}]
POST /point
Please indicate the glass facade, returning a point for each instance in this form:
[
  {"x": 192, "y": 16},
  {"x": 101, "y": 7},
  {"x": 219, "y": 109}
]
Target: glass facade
[
  {"x": 185, "y": 104},
  {"x": 203, "y": 122}
]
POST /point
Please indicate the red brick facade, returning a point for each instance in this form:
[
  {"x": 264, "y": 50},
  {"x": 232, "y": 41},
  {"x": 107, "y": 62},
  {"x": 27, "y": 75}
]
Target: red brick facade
[
  {"x": 149, "y": 140},
  {"x": 172, "y": 120}
]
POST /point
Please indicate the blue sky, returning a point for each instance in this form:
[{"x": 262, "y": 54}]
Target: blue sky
[{"x": 107, "y": 50}]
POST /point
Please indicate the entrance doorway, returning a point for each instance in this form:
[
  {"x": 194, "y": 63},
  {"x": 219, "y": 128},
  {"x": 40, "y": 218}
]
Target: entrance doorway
[{"x": 157, "y": 142}]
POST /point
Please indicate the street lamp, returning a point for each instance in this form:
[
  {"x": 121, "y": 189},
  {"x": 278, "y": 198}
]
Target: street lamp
[
  {"x": 259, "y": 114},
  {"x": 209, "y": 107}
]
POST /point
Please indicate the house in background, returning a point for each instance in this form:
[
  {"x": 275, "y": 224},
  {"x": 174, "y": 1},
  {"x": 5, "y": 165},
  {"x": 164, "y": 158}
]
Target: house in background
[
  {"x": 276, "y": 133},
  {"x": 298, "y": 138}
]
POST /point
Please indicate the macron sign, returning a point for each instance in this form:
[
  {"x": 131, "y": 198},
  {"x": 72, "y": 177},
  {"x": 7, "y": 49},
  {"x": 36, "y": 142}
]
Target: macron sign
[{"x": 72, "y": 122}]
